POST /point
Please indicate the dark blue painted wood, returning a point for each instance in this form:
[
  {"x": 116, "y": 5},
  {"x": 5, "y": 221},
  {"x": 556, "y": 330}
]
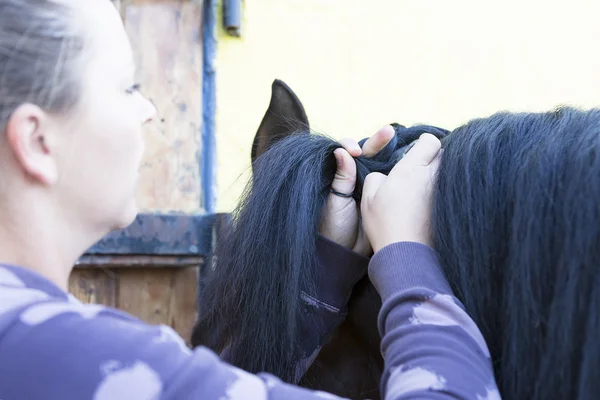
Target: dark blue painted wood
[
  {"x": 160, "y": 234},
  {"x": 208, "y": 155}
]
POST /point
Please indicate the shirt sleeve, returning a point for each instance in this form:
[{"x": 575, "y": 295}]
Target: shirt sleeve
[
  {"x": 432, "y": 348},
  {"x": 324, "y": 304},
  {"x": 68, "y": 350},
  {"x": 71, "y": 351}
]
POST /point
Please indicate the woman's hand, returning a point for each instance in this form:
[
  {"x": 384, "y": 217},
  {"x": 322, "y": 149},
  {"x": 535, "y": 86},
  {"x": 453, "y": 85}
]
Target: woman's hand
[
  {"x": 397, "y": 207},
  {"x": 340, "y": 221}
]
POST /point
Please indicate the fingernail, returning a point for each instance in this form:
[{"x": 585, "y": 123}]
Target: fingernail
[
  {"x": 339, "y": 160},
  {"x": 390, "y": 129}
]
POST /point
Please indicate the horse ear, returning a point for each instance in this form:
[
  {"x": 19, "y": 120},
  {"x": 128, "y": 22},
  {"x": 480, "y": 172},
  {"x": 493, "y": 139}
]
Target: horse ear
[{"x": 284, "y": 116}]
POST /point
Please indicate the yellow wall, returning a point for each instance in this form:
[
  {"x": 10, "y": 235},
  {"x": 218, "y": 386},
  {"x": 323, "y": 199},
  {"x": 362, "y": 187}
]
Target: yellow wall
[{"x": 357, "y": 65}]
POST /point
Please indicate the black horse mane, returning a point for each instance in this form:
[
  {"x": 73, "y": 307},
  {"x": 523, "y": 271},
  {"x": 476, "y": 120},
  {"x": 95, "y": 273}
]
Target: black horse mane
[
  {"x": 250, "y": 304},
  {"x": 516, "y": 220},
  {"x": 516, "y": 224}
]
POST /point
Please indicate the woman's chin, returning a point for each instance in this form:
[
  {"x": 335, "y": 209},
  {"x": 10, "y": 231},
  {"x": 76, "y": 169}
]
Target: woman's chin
[{"x": 127, "y": 218}]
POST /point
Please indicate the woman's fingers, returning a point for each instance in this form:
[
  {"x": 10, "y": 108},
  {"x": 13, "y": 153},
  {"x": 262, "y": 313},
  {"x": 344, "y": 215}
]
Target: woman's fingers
[
  {"x": 378, "y": 141},
  {"x": 344, "y": 180},
  {"x": 351, "y": 146},
  {"x": 371, "y": 185},
  {"x": 422, "y": 153}
]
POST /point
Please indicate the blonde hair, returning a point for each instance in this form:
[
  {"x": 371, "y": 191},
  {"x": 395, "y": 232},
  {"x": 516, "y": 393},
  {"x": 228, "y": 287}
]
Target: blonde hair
[{"x": 40, "y": 53}]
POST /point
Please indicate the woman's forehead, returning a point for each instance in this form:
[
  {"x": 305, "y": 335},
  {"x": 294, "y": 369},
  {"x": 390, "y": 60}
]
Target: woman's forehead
[{"x": 109, "y": 44}]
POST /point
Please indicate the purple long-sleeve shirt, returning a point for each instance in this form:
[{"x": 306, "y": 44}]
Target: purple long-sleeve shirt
[{"x": 54, "y": 347}]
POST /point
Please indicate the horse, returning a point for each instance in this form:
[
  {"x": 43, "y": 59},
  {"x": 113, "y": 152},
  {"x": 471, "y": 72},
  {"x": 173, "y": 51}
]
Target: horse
[
  {"x": 349, "y": 364},
  {"x": 515, "y": 222}
]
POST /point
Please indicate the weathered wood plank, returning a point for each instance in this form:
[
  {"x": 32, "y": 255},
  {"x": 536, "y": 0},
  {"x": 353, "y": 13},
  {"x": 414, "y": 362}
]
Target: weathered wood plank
[
  {"x": 137, "y": 261},
  {"x": 160, "y": 296},
  {"x": 97, "y": 286},
  {"x": 167, "y": 40},
  {"x": 184, "y": 301}
]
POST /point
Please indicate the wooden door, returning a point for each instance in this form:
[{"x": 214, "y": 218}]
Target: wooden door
[{"x": 151, "y": 268}]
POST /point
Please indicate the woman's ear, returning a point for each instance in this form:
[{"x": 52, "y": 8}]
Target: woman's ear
[{"x": 28, "y": 137}]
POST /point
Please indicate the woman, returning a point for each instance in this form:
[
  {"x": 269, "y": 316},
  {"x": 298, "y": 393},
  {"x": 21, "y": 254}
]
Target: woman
[{"x": 71, "y": 144}]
